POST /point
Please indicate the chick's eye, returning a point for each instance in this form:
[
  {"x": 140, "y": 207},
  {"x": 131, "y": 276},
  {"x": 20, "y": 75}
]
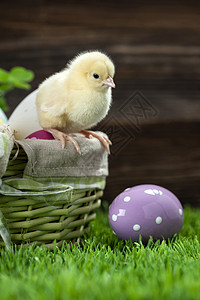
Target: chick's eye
[{"x": 96, "y": 76}]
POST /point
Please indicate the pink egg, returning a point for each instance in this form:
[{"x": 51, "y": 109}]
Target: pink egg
[{"x": 40, "y": 135}]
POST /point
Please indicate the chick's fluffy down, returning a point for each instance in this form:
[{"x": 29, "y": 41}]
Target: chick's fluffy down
[{"x": 73, "y": 100}]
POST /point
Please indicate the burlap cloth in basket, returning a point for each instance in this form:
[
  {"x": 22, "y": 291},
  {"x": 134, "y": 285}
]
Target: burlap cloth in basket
[
  {"x": 51, "y": 170},
  {"x": 47, "y": 158}
]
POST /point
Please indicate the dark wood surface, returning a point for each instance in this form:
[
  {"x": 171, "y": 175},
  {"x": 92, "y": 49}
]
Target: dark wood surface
[
  {"x": 154, "y": 121},
  {"x": 163, "y": 154}
]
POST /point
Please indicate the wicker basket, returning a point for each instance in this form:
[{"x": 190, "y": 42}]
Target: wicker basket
[{"x": 35, "y": 221}]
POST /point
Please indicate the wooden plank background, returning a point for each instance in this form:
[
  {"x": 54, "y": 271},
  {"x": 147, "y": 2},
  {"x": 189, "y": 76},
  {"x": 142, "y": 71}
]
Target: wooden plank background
[{"x": 155, "y": 117}]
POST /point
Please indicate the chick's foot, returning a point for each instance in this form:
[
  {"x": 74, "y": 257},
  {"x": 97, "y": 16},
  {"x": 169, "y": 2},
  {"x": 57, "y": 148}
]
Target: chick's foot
[
  {"x": 106, "y": 142},
  {"x": 63, "y": 138}
]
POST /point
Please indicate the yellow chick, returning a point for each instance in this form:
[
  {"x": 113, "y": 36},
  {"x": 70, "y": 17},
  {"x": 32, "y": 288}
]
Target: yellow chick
[{"x": 77, "y": 98}]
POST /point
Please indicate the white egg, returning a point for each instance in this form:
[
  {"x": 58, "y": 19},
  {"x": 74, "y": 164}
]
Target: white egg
[{"x": 24, "y": 118}]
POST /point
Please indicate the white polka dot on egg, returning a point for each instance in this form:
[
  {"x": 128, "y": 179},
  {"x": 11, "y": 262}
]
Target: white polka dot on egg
[
  {"x": 159, "y": 220},
  {"x": 127, "y": 199},
  {"x": 114, "y": 217},
  {"x": 136, "y": 227},
  {"x": 127, "y": 189}
]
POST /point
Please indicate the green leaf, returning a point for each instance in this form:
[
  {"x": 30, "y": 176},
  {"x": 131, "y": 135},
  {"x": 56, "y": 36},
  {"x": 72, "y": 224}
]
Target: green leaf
[
  {"x": 21, "y": 74},
  {"x": 3, "y": 104},
  {"x": 4, "y": 88},
  {"x": 17, "y": 77},
  {"x": 22, "y": 85},
  {"x": 4, "y": 75}
]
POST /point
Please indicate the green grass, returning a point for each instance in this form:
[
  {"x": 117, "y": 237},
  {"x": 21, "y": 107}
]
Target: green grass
[{"x": 104, "y": 267}]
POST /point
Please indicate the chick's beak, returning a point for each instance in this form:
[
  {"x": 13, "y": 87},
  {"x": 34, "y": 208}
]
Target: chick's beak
[{"x": 109, "y": 82}]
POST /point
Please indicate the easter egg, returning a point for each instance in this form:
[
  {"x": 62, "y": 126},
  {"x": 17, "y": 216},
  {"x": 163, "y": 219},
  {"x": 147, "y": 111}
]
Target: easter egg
[
  {"x": 146, "y": 210},
  {"x": 40, "y": 135},
  {"x": 24, "y": 118},
  {"x": 3, "y": 118}
]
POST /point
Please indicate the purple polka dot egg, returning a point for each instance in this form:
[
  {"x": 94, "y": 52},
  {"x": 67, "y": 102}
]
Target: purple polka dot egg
[{"x": 146, "y": 210}]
